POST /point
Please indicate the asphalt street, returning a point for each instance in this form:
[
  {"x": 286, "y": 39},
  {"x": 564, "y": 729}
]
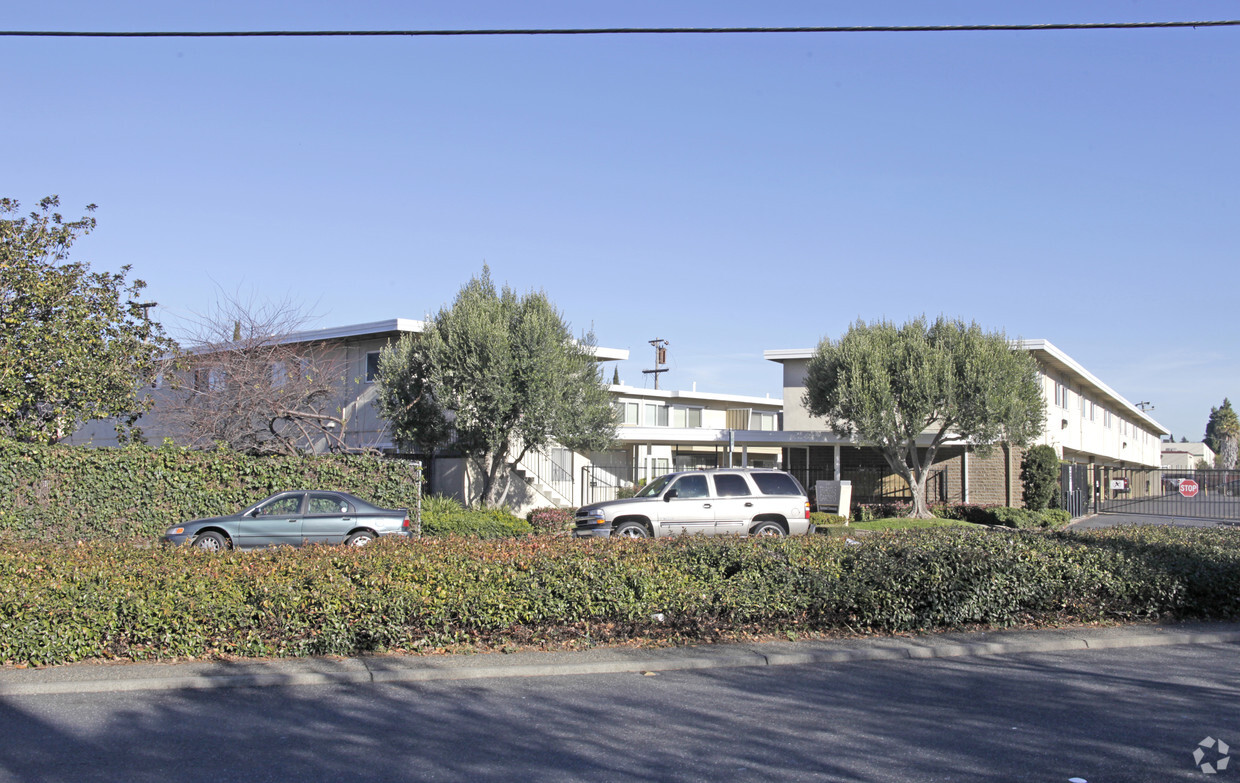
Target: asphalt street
[
  {"x": 1115, "y": 520},
  {"x": 1122, "y": 713}
]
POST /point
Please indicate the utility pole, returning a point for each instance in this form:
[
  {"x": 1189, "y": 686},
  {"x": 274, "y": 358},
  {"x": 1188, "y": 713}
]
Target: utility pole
[{"x": 660, "y": 358}]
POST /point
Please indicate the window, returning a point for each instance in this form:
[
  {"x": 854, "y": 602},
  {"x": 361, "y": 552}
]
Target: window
[
  {"x": 731, "y": 485},
  {"x": 1061, "y": 395},
  {"x": 1106, "y": 418},
  {"x": 776, "y": 484},
  {"x": 762, "y": 420},
  {"x": 691, "y": 487},
  {"x": 629, "y": 412},
  {"x": 686, "y": 417},
  {"x": 326, "y": 505},
  {"x": 279, "y": 374},
  {"x": 286, "y": 506},
  {"x": 217, "y": 379},
  {"x": 1084, "y": 407},
  {"x": 372, "y": 366},
  {"x": 655, "y": 415}
]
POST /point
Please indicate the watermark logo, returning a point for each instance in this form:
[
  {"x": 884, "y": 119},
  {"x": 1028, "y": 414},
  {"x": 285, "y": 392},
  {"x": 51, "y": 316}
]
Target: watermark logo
[{"x": 1211, "y": 755}]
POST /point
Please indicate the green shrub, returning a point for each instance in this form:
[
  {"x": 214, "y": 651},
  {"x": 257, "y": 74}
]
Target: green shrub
[
  {"x": 444, "y": 516},
  {"x": 551, "y": 519},
  {"x": 823, "y": 519},
  {"x": 1039, "y": 476},
  {"x": 110, "y": 600},
  {"x": 868, "y": 512},
  {"x": 1056, "y": 518},
  {"x": 966, "y": 512}
]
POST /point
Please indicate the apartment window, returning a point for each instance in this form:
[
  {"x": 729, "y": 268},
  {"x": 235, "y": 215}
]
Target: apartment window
[
  {"x": 762, "y": 420},
  {"x": 217, "y": 379},
  {"x": 629, "y": 412},
  {"x": 1085, "y": 407},
  {"x": 279, "y": 374},
  {"x": 372, "y": 366},
  {"x": 1061, "y": 395},
  {"x": 685, "y": 417},
  {"x": 656, "y": 415},
  {"x": 1106, "y": 418}
]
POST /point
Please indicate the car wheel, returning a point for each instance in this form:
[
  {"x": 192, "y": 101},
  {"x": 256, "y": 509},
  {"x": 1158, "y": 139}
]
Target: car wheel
[
  {"x": 211, "y": 541},
  {"x": 768, "y": 529},
  {"x": 360, "y": 538},
  {"x": 631, "y": 530}
]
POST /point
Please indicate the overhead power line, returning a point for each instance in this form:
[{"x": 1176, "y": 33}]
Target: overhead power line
[{"x": 954, "y": 28}]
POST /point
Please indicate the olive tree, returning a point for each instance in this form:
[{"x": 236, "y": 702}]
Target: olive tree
[
  {"x": 909, "y": 389},
  {"x": 495, "y": 375},
  {"x": 75, "y": 345}
]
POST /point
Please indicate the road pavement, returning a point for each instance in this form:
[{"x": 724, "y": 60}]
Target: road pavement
[
  {"x": 1096, "y": 521},
  {"x": 113, "y": 677},
  {"x": 1129, "y": 704}
]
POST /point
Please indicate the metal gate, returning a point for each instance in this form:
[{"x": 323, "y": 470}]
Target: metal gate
[{"x": 1200, "y": 494}]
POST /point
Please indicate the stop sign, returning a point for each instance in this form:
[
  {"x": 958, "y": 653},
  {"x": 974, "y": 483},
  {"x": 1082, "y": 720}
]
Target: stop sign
[{"x": 1188, "y": 488}]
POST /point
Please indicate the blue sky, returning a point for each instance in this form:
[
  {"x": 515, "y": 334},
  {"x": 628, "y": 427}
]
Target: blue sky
[{"x": 729, "y": 193}]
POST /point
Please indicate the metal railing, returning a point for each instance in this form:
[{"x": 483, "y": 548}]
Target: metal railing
[
  {"x": 548, "y": 471},
  {"x": 876, "y": 485}
]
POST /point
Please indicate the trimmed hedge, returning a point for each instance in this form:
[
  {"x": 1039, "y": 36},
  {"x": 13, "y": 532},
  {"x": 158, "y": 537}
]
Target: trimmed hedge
[
  {"x": 551, "y": 520},
  {"x": 69, "y": 493},
  {"x": 444, "y": 516},
  {"x": 60, "y": 604},
  {"x": 1004, "y": 516}
]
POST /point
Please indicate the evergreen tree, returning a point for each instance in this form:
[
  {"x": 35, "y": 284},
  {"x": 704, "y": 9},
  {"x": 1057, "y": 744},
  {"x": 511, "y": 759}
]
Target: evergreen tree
[{"x": 908, "y": 389}]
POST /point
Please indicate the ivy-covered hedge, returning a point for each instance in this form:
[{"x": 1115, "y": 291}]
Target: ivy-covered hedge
[
  {"x": 68, "y": 493},
  {"x": 60, "y": 604}
]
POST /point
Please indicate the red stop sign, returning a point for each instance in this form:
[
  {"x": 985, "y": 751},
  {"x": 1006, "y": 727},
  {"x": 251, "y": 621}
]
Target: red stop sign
[{"x": 1188, "y": 488}]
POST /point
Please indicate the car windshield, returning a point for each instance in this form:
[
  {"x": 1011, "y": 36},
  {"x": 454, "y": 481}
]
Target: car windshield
[{"x": 655, "y": 487}]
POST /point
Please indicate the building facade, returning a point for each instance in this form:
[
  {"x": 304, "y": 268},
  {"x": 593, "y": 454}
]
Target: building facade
[{"x": 1087, "y": 423}]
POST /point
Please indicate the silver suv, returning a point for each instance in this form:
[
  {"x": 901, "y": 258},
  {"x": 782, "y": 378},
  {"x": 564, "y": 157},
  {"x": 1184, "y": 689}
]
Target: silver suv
[{"x": 744, "y": 501}]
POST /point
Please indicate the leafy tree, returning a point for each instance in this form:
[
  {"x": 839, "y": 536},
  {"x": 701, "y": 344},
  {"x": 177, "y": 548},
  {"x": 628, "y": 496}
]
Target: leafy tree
[
  {"x": 1223, "y": 433},
  {"x": 241, "y": 382},
  {"x": 908, "y": 390},
  {"x": 497, "y": 375},
  {"x": 1039, "y": 476},
  {"x": 74, "y": 344}
]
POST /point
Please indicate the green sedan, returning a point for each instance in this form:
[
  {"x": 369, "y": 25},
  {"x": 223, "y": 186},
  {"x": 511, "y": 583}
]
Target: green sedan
[{"x": 294, "y": 519}]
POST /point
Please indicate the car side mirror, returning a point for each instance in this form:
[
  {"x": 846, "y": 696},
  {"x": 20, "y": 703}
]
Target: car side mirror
[{"x": 671, "y": 493}]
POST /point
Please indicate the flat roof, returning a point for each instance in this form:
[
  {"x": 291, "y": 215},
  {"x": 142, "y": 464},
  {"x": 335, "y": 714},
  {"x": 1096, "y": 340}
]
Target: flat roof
[
  {"x": 671, "y": 394},
  {"x": 1046, "y": 351},
  {"x": 395, "y": 326}
]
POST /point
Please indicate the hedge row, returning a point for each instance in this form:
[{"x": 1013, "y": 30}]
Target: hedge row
[
  {"x": 60, "y": 604},
  {"x": 444, "y": 516},
  {"x": 1004, "y": 516},
  {"x": 66, "y": 494}
]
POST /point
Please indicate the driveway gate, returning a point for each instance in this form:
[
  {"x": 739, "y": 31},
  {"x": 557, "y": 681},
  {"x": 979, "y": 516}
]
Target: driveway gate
[{"x": 1200, "y": 494}]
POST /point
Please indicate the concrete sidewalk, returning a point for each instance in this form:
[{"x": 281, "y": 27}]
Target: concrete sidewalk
[{"x": 95, "y": 678}]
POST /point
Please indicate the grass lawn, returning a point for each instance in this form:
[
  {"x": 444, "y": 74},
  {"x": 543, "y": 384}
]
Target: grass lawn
[{"x": 892, "y": 523}]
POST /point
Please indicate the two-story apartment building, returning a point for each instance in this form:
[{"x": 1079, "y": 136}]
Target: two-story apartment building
[
  {"x": 1186, "y": 456},
  {"x": 1087, "y": 423}
]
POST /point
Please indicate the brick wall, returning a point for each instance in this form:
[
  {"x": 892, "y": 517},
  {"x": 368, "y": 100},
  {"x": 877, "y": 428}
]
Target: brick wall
[{"x": 995, "y": 478}]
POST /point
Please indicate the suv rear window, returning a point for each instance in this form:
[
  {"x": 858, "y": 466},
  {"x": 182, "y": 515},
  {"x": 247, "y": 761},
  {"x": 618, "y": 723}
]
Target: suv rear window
[
  {"x": 731, "y": 485},
  {"x": 776, "y": 484}
]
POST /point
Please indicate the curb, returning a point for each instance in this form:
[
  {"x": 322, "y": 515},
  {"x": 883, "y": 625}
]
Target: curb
[{"x": 108, "y": 678}]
